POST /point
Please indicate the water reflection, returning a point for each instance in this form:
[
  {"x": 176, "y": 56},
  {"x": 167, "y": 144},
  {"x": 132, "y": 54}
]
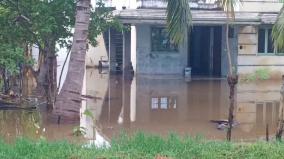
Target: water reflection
[
  {"x": 20, "y": 123},
  {"x": 159, "y": 104},
  {"x": 169, "y": 104}
]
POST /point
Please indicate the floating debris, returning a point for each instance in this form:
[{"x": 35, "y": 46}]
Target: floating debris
[{"x": 224, "y": 124}]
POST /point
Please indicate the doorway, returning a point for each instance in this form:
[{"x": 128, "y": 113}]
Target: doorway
[{"x": 204, "y": 50}]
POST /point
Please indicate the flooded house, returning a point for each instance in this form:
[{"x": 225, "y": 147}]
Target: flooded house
[
  {"x": 148, "y": 49},
  {"x": 158, "y": 99}
]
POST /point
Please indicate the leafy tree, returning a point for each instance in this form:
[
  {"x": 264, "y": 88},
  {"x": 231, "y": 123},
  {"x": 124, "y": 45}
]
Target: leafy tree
[
  {"x": 10, "y": 61},
  {"x": 46, "y": 23},
  {"x": 11, "y": 58}
]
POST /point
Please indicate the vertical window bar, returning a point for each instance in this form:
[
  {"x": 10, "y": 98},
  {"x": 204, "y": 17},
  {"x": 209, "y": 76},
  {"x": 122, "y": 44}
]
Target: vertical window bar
[{"x": 266, "y": 41}]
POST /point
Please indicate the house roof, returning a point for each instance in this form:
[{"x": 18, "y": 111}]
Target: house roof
[{"x": 199, "y": 17}]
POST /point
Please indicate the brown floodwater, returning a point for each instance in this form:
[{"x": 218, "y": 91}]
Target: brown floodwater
[{"x": 158, "y": 105}]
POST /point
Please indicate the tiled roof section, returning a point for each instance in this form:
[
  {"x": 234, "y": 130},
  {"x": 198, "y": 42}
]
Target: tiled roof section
[{"x": 158, "y": 16}]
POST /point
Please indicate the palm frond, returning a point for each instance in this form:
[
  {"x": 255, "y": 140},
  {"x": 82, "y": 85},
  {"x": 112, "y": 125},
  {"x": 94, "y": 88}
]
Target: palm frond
[
  {"x": 278, "y": 32},
  {"x": 229, "y": 7},
  {"x": 179, "y": 19}
]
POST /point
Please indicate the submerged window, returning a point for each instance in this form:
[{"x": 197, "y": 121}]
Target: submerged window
[
  {"x": 163, "y": 103},
  {"x": 155, "y": 103},
  {"x": 267, "y": 111},
  {"x": 265, "y": 43},
  {"x": 161, "y": 42}
]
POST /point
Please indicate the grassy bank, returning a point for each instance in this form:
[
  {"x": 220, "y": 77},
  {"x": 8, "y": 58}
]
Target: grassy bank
[{"x": 141, "y": 146}]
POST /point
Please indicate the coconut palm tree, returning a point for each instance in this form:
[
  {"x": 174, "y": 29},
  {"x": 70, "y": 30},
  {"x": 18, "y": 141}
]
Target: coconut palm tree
[
  {"x": 69, "y": 99},
  {"x": 178, "y": 21},
  {"x": 232, "y": 78},
  {"x": 278, "y": 32},
  {"x": 278, "y": 40}
]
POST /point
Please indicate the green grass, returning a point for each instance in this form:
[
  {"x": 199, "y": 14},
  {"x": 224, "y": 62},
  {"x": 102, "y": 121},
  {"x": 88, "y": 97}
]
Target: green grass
[{"x": 142, "y": 146}]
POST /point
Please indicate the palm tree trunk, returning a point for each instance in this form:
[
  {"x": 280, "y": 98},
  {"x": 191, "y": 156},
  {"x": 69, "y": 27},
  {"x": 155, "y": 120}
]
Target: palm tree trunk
[
  {"x": 68, "y": 102},
  {"x": 232, "y": 81},
  {"x": 228, "y": 48},
  {"x": 281, "y": 113},
  {"x": 46, "y": 78}
]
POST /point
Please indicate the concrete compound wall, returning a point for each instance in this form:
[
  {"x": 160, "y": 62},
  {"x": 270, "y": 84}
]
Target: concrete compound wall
[{"x": 149, "y": 62}]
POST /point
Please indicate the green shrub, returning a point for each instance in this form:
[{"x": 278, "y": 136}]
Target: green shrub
[
  {"x": 259, "y": 74},
  {"x": 263, "y": 73}
]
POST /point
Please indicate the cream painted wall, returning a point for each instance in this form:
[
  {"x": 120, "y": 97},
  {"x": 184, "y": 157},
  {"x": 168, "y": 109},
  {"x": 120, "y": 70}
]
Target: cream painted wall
[
  {"x": 248, "y": 58},
  {"x": 249, "y": 95},
  {"x": 249, "y": 64},
  {"x": 94, "y": 54},
  {"x": 261, "y": 60},
  {"x": 260, "y": 6}
]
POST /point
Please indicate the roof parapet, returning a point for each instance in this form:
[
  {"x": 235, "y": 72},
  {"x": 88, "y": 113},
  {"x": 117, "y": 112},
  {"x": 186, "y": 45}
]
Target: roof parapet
[{"x": 194, "y": 4}]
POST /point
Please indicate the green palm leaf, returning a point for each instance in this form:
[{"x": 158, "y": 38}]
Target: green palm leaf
[
  {"x": 229, "y": 7},
  {"x": 178, "y": 19},
  {"x": 278, "y": 32}
]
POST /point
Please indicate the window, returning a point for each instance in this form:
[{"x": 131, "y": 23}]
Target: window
[
  {"x": 155, "y": 103},
  {"x": 163, "y": 103},
  {"x": 161, "y": 42},
  {"x": 265, "y": 43}
]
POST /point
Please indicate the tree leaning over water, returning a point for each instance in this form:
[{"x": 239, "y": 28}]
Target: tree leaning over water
[
  {"x": 88, "y": 25},
  {"x": 70, "y": 95}
]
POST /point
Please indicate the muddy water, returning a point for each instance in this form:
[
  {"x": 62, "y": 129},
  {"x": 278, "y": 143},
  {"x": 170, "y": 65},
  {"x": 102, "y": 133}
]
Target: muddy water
[{"x": 155, "y": 104}]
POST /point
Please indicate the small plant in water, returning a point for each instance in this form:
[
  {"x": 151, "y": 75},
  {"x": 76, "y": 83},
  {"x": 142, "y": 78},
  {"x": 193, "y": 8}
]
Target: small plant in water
[
  {"x": 89, "y": 114},
  {"x": 79, "y": 131}
]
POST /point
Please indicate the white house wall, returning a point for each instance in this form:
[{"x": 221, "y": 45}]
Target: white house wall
[{"x": 249, "y": 64}]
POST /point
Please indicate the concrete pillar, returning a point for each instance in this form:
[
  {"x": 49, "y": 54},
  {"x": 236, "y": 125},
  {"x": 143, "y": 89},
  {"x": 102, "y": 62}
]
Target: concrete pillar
[
  {"x": 133, "y": 101},
  {"x": 133, "y": 47},
  {"x": 126, "y": 98}
]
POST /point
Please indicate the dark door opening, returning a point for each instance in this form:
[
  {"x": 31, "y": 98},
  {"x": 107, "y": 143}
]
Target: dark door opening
[{"x": 205, "y": 51}]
